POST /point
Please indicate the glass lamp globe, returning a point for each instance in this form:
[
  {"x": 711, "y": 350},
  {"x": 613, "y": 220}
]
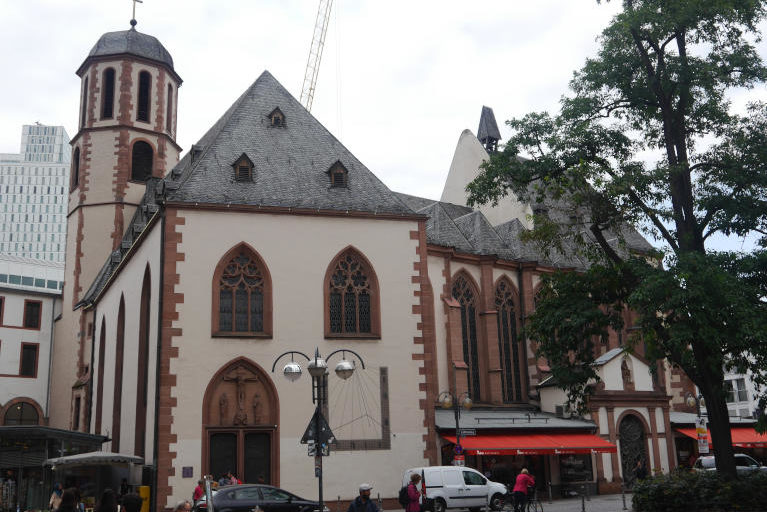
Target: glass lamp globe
[
  {"x": 467, "y": 403},
  {"x": 690, "y": 401},
  {"x": 317, "y": 366},
  {"x": 292, "y": 371},
  {"x": 447, "y": 401},
  {"x": 344, "y": 369}
]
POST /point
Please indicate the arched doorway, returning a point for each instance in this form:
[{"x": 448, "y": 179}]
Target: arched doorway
[
  {"x": 633, "y": 446},
  {"x": 240, "y": 414}
]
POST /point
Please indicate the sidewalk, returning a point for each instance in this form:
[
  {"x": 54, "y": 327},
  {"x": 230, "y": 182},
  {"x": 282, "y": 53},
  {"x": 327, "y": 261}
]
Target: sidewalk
[{"x": 601, "y": 503}]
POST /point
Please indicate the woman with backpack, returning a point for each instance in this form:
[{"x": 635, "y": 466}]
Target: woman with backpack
[{"x": 413, "y": 494}]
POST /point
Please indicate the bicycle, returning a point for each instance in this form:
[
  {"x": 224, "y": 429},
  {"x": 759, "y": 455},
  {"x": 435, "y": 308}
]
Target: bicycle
[{"x": 532, "y": 505}]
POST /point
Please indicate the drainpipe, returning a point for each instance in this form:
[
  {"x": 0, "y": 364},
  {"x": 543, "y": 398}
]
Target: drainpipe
[
  {"x": 90, "y": 369},
  {"x": 50, "y": 358},
  {"x": 160, "y": 294}
]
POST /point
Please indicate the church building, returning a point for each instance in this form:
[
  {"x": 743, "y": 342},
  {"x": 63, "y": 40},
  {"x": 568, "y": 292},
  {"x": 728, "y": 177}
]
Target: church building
[{"x": 188, "y": 278}]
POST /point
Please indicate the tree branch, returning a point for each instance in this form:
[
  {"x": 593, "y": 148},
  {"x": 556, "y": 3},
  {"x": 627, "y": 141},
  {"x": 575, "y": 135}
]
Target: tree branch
[{"x": 609, "y": 251}]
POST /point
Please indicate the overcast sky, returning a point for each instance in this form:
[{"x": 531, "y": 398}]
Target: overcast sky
[{"x": 398, "y": 83}]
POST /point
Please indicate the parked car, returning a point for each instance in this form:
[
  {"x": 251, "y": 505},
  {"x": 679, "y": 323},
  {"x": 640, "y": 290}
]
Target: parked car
[
  {"x": 458, "y": 487},
  {"x": 743, "y": 464},
  {"x": 201, "y": 505},
  {"x": 246, "y": 497}
]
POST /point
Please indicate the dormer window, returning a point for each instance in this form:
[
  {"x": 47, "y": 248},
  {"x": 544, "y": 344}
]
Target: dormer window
[
  {"x": 277, "y": 118},
  {"x": 339, "y": 176},
  {"x": 243, "y": 168}
]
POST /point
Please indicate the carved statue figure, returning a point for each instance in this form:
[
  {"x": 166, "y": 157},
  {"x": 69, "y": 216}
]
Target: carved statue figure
[
  {"x": 223, "y": 407},
  {"x": 240, "y": 377},
  {"x": 257, "y": 409}
]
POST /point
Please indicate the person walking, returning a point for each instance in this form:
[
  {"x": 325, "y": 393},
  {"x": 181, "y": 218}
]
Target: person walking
[
  {"x": 524, "y": 480},
  {"x": 363, "y": 503},
  {"x": 198, "y": 491},
  {"x": 640, "y": 471},
  {"x": 183, "y": 506},
  {"x": 55, "y": 500},
  {"x": 413, "y": 494},
  {"x": 108, "y": 502},
  {"x": 68, "y": 502}
]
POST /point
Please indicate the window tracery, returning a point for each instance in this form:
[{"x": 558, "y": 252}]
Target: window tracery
[
  {"x": 242, "y": 295},
  {"x": 508, "y": 343},
  {"x": 464, "y": 293},
  {"x": 352, "y": 297}
]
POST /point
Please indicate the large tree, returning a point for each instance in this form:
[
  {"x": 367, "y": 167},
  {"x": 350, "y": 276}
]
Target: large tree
[{"x": 648, "y": 138}]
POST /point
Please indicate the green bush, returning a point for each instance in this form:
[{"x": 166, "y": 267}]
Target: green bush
[{"x": 701, "y": 492}]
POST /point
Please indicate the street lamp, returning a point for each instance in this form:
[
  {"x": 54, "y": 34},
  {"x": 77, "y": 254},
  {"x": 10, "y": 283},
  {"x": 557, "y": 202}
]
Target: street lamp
[
  {"x": 448, "y": 400},
  {"x": 318, "y": 370},
  {"x": 695, "y": 401}
]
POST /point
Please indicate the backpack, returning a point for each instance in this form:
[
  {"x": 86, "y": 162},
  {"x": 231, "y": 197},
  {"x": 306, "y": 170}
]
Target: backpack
[{"x": 403, "y": 497}]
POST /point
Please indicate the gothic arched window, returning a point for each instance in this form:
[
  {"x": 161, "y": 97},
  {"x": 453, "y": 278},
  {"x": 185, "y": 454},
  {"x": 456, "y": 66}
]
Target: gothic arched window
[
  {"x": 466, "y": 296},
  {"x": 75, "y": 178},
  {"x": 242, "y": 295},
  {"x": 508, "y": 345},
  {"x": 141, "y": 161},
  {"x": 144, "y": 94},
  {"x": 21, "y": 413},
  {"x": 351, "y": 297},
  {"x": 84, "y": 104},
  {"x": 108, "y": 93}
]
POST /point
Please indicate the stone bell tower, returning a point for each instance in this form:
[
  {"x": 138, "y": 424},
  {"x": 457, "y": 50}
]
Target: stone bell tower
[{"x": 126, "y": 134}]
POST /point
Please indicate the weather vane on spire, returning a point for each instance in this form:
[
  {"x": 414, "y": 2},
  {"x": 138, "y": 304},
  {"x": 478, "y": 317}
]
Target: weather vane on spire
[{"x": 133, "y": 19}]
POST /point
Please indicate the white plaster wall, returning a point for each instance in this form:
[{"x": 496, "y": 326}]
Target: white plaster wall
[
  {"x": 610, "y": 374},
  {"x": 11, "y": 338},
  {"x": 128, "y": 283},
  {"x": 607, "y": 465},
  {"x": 604, "y": 427},
  {"x": 641, "y": 375},
  {"x": 436, "y": 266},
  {"x": 551, "y": 397},
  {"x": 297, "y": 251},
  {"x": 664, "y": 463},
  {"x": 660, "y": 425},
  {"x": 471, "y": 269},
  {"x": 510, "y": 274},
  {"x": 469, "y": 155}
]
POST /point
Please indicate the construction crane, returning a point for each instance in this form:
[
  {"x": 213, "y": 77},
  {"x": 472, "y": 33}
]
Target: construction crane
[{"x": 315, "y": 53}]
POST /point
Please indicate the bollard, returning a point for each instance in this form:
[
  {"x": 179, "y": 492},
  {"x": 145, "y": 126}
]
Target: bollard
[
  {"x": 623, "y": 496},
  {"x": 583, "y": 499},
  {"x": 588, "y": 494},
  {"x": 549, "y": 491},
  {"x": 338, "y": 504},
  {"x": 379, "y": 502}
]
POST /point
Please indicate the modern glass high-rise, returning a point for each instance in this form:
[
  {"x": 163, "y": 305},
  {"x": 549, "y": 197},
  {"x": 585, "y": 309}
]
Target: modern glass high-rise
[{"x": 33, "y": 194}]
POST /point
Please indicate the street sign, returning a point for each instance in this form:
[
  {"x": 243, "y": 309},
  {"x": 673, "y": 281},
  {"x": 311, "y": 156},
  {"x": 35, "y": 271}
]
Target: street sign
[
  {"x": 459, "y": 460},
  {"x": 467, "y": 432},
  {"x": 325, "y": 435},
  {"x": 458, "y": 449},
  {"x": 700, "y": 430}
]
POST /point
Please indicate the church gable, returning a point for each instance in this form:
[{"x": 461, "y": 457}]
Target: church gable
[{"x": 293, "y": 154}]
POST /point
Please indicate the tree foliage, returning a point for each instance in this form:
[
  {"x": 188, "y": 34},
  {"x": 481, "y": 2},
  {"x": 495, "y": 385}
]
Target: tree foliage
[{"x": 648, "y": 138}]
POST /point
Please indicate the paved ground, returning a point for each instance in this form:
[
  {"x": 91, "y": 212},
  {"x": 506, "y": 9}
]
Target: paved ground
[{"x": 603, "y": 503}]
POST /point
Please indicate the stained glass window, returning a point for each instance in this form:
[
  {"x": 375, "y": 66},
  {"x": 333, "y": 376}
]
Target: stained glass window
[
  {"x": 465, "y": 295},
  {"x": 241, "y": 295},
  {"x": 350, "y": 294},
  {"x": 508, "y": 346}
]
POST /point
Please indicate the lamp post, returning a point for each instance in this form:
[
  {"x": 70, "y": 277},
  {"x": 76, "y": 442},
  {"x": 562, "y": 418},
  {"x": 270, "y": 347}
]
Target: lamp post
[
  {"x": 318, "y": 369},
  {"x": 700, "y": 423},
  {"x": 447, "y": 400}
]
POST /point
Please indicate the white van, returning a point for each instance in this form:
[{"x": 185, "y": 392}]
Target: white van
[{"x": 458, "y": 487}]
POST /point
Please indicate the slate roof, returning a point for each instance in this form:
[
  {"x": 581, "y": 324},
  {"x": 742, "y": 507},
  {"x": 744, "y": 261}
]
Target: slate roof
[
  {"x": 488, "y": 128},
  {"x": 131, "y": 42},
  {"x": 291, "y": 162}
]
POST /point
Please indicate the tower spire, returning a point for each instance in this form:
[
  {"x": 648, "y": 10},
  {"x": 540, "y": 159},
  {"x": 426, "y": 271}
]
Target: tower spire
[
  {"x": 488, "y": 133},
  {"x": 133, "y": 19}
]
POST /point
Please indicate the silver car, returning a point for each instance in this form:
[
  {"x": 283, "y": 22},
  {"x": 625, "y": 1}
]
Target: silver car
[{"x": 743, "y": 464}]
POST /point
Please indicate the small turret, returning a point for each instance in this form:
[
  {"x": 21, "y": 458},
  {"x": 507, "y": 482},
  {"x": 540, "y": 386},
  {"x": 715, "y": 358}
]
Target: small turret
[{"x": 488, "y": 133}]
